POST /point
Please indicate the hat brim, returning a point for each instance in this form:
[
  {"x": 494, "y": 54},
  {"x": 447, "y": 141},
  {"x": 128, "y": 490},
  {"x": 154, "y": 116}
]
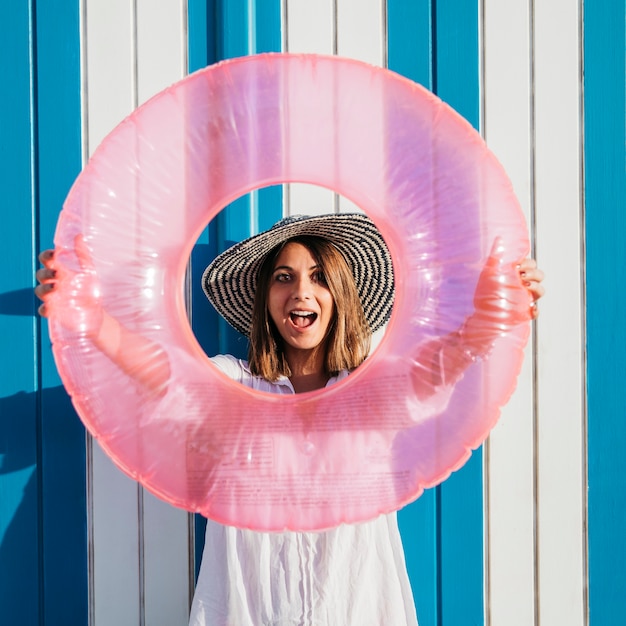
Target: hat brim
[{"x": 229, "y": 282}]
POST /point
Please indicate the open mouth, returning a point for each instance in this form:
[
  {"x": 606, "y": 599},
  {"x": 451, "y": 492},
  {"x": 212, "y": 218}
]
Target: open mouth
[{"x": 302, "y": 319}]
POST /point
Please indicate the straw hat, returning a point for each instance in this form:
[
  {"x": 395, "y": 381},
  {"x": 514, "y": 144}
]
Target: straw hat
[{"x": 230, "y": 280}]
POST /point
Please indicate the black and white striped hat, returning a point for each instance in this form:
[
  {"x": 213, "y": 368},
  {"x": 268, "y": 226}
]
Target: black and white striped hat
[{"x": 230, "y": 280}]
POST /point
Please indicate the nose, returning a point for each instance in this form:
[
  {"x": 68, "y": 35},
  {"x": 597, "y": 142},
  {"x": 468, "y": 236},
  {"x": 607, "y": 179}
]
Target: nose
[{"x": 301, "y": 288}]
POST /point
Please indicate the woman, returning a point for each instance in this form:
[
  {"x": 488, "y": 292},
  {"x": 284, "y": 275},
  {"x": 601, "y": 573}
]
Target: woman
[{"x": 309, "y": 293}]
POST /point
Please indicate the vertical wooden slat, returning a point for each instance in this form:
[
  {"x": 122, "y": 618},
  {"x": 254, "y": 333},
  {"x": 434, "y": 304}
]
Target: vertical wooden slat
[
  {"x": 560, "y": 425},
  {"x": 140, "y": 543},
  {"x": 456, "y": 81},
  {"x": 236, "y": 38},
  {"x": 510, "y": 513},
  {"x": 605, "y": 191},
  {"x": 409, "y": 52},
  {"x": 161, "y": 46},
  {"x": 202, "y": 51},
  {"x": 365, "y": 43},
  {"x": 161, "y": 61},
  {"x": 448, "y": 589},
  {"x": 62, "y": 439},
  {"x": 311, "y": 27},
  {"x": 269, "y": 33},
  {"x": 42, "y": 503},
  {"x": 20, "y": 593},
  {"x": 115, "y": 589},
  {"x": 218, "y": 30},
  {"x": 361, "y": 30},
  {"x": 244, "y": 27},
  {"x": 111, "y": 94},
  {"x": 410, "y": 39},
  {"x": 110, "y": 67},
  {"x": 418, "y": 525}
]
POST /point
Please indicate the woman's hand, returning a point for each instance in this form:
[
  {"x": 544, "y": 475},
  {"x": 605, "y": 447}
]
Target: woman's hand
[
  {"x": 74, "y": 296},
  {"x": 75, "y": 299},
  {"x": 46, "y": 277},
  {"x": 505, "y": 296},
  {"x": 532, "y": 277}
]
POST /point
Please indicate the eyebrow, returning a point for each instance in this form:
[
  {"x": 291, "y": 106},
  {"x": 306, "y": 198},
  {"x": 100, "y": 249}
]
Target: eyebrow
[{"x": 288, "y": 267}]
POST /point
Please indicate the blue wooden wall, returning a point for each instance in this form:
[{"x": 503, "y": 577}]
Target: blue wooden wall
[
  {"x": 605, "y": 241},
  {"x": 43, "y": 544},
  {"x": 435, "y": 43}
]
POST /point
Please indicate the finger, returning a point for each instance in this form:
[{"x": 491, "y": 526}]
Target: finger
[
  {"x": 46, "y": 257},
  {"x": 531, "y": 274},
  {"x": 42, "y": 310},
  {"x": 83, "y": 253},
  {"x": 45, "y": 275},
  {"x": 44, "y": 290},
  {"x": 536, "y": 290}
]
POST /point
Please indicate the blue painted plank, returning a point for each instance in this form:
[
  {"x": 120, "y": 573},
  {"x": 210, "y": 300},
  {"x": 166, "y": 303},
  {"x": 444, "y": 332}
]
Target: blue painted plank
[
  {"x": 20, "y": 548},
  {"x": 201, "y": 45},
  {"x": 203, "y": 50},
  {"x": 605, "y": 226},
  {"x": 410, "y": 45},
  {"x": 410, "y": 39},
  {"x": 457, "y": 55},
  {"x": 63, "y": 472},
  {"x": 245, "y": 28},
  {"x": 456, "y": 81},
  {"x": 419, "y": 527},
  {"x": 268, "y": 26},
  {"x": 268, "y": 38},
  {"x": 236, "y": 37},
  {"x": 221, "y": 29},
  {"x": 435, "y": 43}
]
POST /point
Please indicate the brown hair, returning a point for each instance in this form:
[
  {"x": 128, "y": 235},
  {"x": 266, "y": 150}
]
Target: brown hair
[{"x": 349, "y": 334}]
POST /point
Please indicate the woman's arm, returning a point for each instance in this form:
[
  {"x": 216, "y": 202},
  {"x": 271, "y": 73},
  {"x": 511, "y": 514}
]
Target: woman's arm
[
  {"x": 77, "y": 307},
  {"x": 500, "y": 303}
]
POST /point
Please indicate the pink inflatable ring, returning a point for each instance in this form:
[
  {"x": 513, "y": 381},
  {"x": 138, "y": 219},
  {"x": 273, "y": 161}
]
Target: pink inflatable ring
[{"x": 367, "y": 445}]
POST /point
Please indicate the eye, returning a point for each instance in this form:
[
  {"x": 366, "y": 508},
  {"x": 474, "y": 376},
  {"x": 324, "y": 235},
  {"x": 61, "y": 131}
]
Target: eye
[
  {"x": 282, "y": 277},
  {"x": 320, "y": 277}
]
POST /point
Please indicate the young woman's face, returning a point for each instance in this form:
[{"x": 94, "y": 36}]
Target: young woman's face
[{"x": 299, "y": 301}]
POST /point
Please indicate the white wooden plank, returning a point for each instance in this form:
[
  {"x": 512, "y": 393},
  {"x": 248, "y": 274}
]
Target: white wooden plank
[
  {"x": 140, "y": 546},
  {"x": 115, "y": 586},
  {"x": 509, "y": 452},
  {"x": 561, "y": 449},
  {"x": 162, "y": 61},
  {"x": 305, "y": 199},
  {"x": 114, "y": 530},
  {"x": 350, "y": 28},
  {"x": 361, "y": 30},
  {"x": 166, "y": 563},
  {"x": 109, "y": 66},
  {"x": 161, "y": 45},
  {"x": 310, "y": 27}
]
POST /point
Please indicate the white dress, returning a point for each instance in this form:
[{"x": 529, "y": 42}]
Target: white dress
[{"x": 352, "y": 575}]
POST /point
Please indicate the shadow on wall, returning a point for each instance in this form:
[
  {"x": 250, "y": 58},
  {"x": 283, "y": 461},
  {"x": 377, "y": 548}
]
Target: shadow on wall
[
  {"x": 43, "y": 523},
  {"x": 43, "y": 513}
]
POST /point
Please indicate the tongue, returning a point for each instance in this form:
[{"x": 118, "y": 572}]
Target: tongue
[{"x": 302, "y": 321}]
